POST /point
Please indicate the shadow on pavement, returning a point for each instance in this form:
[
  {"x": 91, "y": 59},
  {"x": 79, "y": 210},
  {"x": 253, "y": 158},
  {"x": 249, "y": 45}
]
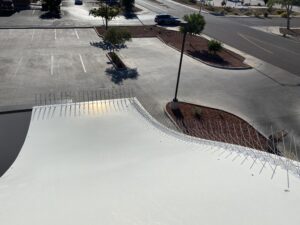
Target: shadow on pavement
[
  {"x": 107, "y": 46},
  {"x": 118, "y": 77},
  {"x": 50, "y": 16},
  {"x": 13, "y": 131}
]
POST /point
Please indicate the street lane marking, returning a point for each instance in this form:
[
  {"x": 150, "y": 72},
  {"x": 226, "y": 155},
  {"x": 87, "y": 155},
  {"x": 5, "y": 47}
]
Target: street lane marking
[
  {"x": 76, "y": 34},
  {"x": 275, "y": 46},
  {"x": 54, "y": 34},
  {"x": 252, "y": 42},
  {"x": 33, "y": 12},
  {"x": 52, "y": 62},
  {"x": 82, "y": 64},
  {"x": 160, "y": 9},
  {"x": 183, "y": 5},
  {"x": 18, "y": 66},
  {"x": 32, "y": 36}
]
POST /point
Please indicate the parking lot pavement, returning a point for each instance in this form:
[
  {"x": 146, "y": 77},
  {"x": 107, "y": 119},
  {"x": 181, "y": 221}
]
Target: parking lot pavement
[
  {"x": 48, "y": 60},
  {"x": 40, "y": 62},
  {"x": 246, "y": 93},
  {"x": 71, "y": 16}
]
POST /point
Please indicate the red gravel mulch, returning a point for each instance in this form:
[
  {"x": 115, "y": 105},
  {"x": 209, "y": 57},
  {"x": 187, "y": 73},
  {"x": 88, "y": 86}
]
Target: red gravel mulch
[
  {"x": 292, "y": 32},
  {"x": 217, "y": 125},
  {"x": 195, "y": 46}
]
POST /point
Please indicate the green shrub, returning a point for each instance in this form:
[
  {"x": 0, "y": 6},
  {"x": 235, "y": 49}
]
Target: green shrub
[
  {"x": 280, "y": 11},
  {"x": 257, "y": 14},
  {"x": 197, "y": 112},
  {"x": 210, "y": 8},
  {"x": 116, "y": 36},
  {"x": 283, "y": 15},
  {"x": 214, "y": 46},
  {"x": 248, "y": 13},
  {"x": 228, "y": 9}
]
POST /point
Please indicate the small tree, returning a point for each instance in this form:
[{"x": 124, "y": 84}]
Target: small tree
[
  {"x": 288, "y": 5},
  {"x": 194, "y": 24},
  {"x": 214, "y": 46},
  {"x": 105, "y": 11},
  {"x": 115, "y": 37},
  {"x": 128, "y": 5},
  {"x": 52, "y": 5}
]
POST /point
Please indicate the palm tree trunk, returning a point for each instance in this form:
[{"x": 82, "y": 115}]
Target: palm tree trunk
[
  {"x": 288, "y": 22},
  {"x": 179, "y": 69}
]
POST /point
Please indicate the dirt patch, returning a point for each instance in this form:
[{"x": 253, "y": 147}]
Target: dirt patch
[
  {"x": 217, "y": 125},
  {"x": 115, "y": 59},
  {"x": 195, "y": 46},
  {"x": 292, "y": 32}
]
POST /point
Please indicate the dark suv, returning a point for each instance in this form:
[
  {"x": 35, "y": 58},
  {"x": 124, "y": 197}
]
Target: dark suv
[
  {"x": 166, "y": 19},
  {"x": 6, "y": 6}
]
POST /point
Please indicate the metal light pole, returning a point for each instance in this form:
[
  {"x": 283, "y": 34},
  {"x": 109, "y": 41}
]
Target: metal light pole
[{"x": 180, "y": 63}]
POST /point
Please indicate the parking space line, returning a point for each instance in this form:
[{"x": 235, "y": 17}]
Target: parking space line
[
  {"x": 54, "y": 34},
  {"x": 33, "y": 12},
  {"x": 83, "y": 67},
  {"x": 18, "y": 66},
  {"x": 52, "y": 62},
  {"x": 32, "y": 36},
  {"x": 76, "y": 33}
]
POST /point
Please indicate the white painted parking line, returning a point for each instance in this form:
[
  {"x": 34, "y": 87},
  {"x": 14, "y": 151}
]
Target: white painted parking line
[
  {"x": 33, "y": 12},
  {"x": 32, "y": 36},
  {"x": 76, "y": 34},
  {"x": 54, "y": 34},
  {"x": 83, "y": 67},
  {"x": 52, "y": 62},
  {"x": 18, "y": 66}
]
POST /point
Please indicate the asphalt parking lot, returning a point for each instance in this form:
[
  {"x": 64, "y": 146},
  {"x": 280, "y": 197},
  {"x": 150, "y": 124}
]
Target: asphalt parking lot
[
  {"x": 44, "y": 61},
  {"x": 34, "y": 61}
]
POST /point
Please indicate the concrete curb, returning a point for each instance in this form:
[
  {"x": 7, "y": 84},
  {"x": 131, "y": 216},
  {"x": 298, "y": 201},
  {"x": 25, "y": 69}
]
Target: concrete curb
[
  {"x": 99, "y": 35},
  {"x": 170, "y": 117},
  {"x": 15, "y": 109},
  {"x": 44, "y": 27}
]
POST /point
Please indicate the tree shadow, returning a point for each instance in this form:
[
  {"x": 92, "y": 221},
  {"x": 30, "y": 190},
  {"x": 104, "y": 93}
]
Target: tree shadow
[
  {"x": 50, "y": 16},
  {"x": 130, "y": 15},
  {"x": 7, "y": 13},
  {"x": 118, "y": 76},
  {"x": 107, "y": 46},
  {"x": 208, "y": 57}
]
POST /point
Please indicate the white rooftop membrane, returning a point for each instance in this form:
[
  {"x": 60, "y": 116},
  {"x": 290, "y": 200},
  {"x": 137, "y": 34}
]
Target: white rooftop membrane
[{"x": 108, "y": 162}]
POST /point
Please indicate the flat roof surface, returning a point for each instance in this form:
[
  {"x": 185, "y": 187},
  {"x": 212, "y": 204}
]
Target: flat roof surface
[{"x": 108, "y": 162}]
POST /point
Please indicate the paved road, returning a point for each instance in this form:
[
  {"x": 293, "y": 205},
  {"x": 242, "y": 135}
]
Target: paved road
[{"x": 237, "y": 32}]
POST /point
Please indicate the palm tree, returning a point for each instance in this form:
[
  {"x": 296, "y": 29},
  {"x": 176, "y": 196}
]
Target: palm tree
[{"x": 194, "y": 24}]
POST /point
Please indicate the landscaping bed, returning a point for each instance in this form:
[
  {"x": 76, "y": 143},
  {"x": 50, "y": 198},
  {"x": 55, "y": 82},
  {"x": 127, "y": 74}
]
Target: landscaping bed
[
  {"x": 247, "y": 10},
  {"x": 292, "y": 32},
  {"x": 217, "y": 125},
  {"x": 117, "y": 62},
  {"x": 195, "y": 46}
]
